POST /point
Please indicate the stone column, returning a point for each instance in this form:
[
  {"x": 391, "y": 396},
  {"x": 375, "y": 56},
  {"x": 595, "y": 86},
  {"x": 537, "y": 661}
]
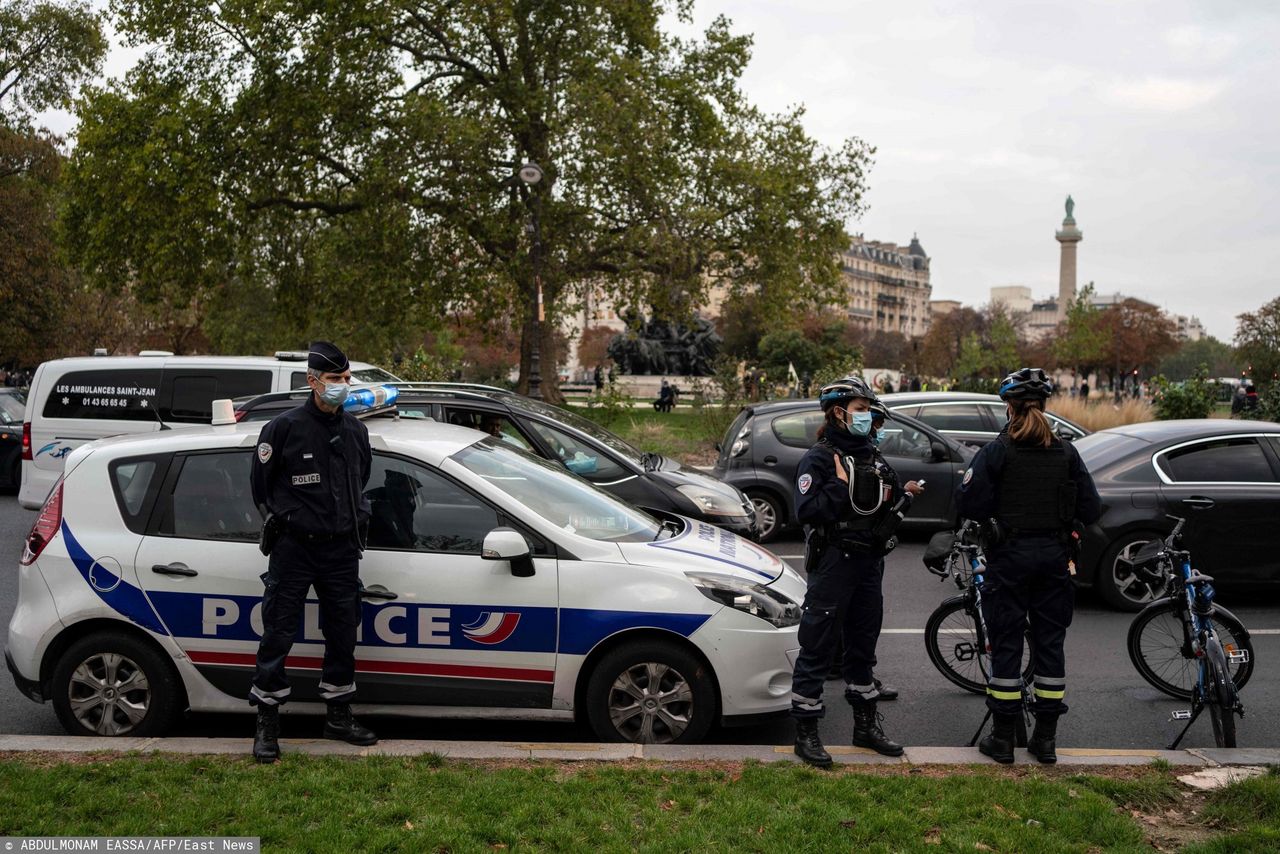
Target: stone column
[{"x": 1068, "y": 236}]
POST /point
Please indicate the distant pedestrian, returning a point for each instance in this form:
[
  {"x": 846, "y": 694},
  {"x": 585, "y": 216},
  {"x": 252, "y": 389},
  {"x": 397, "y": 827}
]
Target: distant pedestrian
[
  {"x": 598, "y": 377},
  {"x": 1238, "y": 400},
  {"x": 915, "y": 383},
  {"x": 888, "y": 386},
  {"x": 1084, "y": 390}
]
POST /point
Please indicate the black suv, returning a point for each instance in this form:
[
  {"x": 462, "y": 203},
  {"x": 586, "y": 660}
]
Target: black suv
[
  {"x": 647, "y": 480},
  {"x": 763, "y": 446}
]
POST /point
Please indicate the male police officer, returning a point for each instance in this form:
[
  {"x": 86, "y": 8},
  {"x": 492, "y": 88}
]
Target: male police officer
[{"x": 309, "y": 475}]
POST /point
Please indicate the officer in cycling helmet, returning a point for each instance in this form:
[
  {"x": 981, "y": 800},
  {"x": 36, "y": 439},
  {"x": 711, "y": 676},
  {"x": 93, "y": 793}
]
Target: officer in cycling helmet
[
  {"x": 1030, "y": 490},
  {"x": 849, "y": 501}
]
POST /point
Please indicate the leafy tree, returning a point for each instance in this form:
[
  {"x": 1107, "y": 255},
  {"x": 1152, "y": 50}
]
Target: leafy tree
[
  {"x": 887, "y": 349},
  {"x": 1220, "y": 359},
  {"x": 46, "y": 51},
  {"x": 337, "y": 166},
  {"x": 1258, "y": 342},
  {"x": 1139, "y": 335},
  {"x": 942, "y": 345},
  {"x": 777, "y": 349},
  {"x": 1080, "y": 342},
  {"x": 593, "y": 346}
]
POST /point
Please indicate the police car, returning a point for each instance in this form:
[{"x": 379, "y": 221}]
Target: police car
[{"x": 496, "y": 583}]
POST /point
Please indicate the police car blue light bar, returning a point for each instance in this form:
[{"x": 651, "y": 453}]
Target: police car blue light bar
[{"x": 361, "y": 401}]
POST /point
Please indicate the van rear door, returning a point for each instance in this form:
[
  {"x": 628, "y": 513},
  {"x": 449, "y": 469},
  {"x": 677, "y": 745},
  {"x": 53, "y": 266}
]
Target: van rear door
[{"x": 69, "y": 408}]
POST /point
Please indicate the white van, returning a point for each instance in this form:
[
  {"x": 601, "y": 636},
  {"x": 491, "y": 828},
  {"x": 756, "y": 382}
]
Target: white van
[{"x": 78, "y": 400}]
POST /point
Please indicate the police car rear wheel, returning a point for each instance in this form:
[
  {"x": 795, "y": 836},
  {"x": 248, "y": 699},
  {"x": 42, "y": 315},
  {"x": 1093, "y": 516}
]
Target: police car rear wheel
[
  {"x": 768, "y": 516},
  {"x": 111, "y": 684},
  {"x": 650, "y": 693}
]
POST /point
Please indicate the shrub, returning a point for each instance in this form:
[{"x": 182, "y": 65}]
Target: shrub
[
  {"x": 1268, "y": 408},
  {"x": 609, "y": 404},
  {"x": 1191, "y": 399}
]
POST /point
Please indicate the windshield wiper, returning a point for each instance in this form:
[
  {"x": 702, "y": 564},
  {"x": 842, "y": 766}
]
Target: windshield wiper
[{"x": 668, "y": 525}]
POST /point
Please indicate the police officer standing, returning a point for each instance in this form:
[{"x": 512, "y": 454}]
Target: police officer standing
[
  {"x": 309, "y": 474},
  {"x": 1029, "y": 489},
  {"x": 850, "y": 502}
]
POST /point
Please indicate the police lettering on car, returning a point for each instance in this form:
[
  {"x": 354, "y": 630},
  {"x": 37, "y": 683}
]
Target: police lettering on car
[
  {"x": 309, "y": 474},
  {"x": 850, "y": 502},
  {"x": 1030, "y": 490}
]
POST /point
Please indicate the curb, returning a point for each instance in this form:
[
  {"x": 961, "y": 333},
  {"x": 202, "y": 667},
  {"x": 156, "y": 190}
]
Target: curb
[{"x": 1199, "y": 757}]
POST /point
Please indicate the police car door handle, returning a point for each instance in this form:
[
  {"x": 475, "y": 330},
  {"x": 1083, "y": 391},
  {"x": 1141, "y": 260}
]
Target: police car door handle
[
  {"x": 174, "y": 569},
  {"x": 770, "y": 460},
  {"x": 1198, "y": 502},
  {"x": 377, "y": 591}
]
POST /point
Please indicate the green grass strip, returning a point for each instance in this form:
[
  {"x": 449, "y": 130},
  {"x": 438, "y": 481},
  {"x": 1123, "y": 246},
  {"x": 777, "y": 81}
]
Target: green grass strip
[{"x": 424, "y": 804}]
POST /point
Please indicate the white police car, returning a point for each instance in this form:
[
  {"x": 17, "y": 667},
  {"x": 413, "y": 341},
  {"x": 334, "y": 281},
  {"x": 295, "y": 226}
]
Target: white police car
[{"x": 496, "y": 584}]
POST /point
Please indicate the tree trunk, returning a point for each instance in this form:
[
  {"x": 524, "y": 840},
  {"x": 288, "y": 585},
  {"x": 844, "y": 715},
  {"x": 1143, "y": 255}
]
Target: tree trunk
[{"x": 548, "y": 358}]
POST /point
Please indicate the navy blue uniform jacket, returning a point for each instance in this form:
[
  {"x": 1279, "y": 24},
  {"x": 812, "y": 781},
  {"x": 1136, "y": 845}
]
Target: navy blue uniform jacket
[
  {"x": 822, "y": 498},
  {"x": 977, "y": 499},
  {"x": 311, "y": 467}
]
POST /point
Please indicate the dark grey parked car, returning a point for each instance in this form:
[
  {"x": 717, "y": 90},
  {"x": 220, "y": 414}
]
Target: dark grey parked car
[
  {"x": 12, "y": 404},
  {"x": 968, "y": 417},
  {"x": 762, "y": 448}
]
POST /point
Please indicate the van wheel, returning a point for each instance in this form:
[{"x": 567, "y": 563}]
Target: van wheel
[
  {"x": 650, "y": 692},
  {"x": 111, "y": 684},
  {"x": 770, "y": 516}
]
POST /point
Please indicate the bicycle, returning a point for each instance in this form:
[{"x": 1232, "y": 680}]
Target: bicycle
[
  {"x": 1187, "y": 646},
  {"x": 955, "y": 635}
]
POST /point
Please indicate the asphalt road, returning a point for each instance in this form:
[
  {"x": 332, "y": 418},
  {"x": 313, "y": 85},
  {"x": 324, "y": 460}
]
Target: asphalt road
[{"x": 1110, "y": 704}]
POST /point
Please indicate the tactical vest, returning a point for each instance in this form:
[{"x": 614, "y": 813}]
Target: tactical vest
[
  {"x": 870, "y": 492},
  {"x": 1036, "y": 492}
]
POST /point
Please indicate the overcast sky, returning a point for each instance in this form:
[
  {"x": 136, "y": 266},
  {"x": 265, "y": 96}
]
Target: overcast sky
[{"x": 1159, "y": 117}]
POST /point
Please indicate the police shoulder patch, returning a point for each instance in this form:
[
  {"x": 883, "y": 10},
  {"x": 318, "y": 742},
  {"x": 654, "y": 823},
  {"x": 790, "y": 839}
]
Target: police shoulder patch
[
  {"x": 264, "y": 452},
  {"x": 968, "y": 475},
  {"x": 806, "y": 481}
]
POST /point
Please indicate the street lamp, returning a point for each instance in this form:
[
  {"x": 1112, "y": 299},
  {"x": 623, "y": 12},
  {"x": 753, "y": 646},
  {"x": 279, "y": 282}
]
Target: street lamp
[{"x": 531, "y": 173}]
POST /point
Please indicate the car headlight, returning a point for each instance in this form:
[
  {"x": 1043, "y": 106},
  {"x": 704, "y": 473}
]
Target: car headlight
[
  {"x": 710, "y": 501},
  {"x": 754, "y": 599}
]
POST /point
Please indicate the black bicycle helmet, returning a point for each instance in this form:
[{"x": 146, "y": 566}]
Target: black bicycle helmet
[
  {"x": 879, "y": 411},
  {"x": 1026, "y": 384},
  {"x": 844, "y": 390}
]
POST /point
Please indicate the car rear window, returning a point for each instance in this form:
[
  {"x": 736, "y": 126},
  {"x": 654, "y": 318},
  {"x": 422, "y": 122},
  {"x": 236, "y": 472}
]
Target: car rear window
[
  {"x": 135, "y": 482},
  {"x": 1103, "y": 448},
  {"x": 965, "y": 417},
  {"x": 798, "y": 429},
  {"x": 191, "y": 397},
  {"x": 11, "y": 409},
  {"x": 119, "y": 395}
]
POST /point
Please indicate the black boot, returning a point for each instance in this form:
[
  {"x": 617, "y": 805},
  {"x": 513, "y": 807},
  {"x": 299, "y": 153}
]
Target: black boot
[
  {"x": 998, "y": 744},
  {"x": 266, "y": 738},
  {"x": 341, "y": 725},
  {"x": 1043, "y": 742},
  {"x": 809, "y": 745},
  {"x": 885, "y": 692},
  {"x": 867, "y": 731}
]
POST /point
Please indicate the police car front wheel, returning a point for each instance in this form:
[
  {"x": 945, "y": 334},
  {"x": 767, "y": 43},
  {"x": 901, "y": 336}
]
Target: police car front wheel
[
  {"x": 111, "y": 684},
  {"x": 651, "y": 693}
]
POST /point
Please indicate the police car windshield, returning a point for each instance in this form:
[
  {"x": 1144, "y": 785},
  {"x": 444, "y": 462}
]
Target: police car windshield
[{"x": 562, "y": 498}]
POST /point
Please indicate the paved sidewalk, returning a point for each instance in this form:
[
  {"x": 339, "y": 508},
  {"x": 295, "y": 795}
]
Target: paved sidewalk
[{"x": 1200, "y": 757}]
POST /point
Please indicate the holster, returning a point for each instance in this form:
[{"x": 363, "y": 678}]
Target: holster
[
  {"x": 272, "y": 528},
  {"x": 814, "y": 545}
]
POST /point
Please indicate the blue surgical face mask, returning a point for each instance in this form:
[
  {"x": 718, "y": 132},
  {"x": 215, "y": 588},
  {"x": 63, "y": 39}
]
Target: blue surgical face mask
[
  {"x": 875, "y": 437},
  {"x": 334, "y": 393},
  {"x": 859, "y": 423}
]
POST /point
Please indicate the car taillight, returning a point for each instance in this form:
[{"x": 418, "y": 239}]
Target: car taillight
[
  {"x": 46, "y": 526},
  {"x": 26, "y": 441}
]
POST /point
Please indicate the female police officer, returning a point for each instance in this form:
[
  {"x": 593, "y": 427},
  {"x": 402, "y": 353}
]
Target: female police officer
[
  {"x": 848, "y": 500},
  {"x": 1029, "y": 489}
]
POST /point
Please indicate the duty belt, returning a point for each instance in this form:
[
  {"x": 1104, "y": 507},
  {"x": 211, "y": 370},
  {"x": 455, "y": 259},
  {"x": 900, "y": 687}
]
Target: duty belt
[{"x": 309, "y": 537}]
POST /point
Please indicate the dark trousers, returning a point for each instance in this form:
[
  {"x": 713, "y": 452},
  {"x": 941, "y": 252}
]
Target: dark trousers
[
  {"x": 295, "y": 566},
  {"x": 843, "y": 607},
  {"x": 1028, "y": 578}
]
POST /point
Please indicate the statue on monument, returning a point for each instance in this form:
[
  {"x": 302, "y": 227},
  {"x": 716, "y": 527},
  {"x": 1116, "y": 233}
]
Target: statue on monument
[
  {"x": 655, "y": 346},
  {"x": 1071, "y": 208}
]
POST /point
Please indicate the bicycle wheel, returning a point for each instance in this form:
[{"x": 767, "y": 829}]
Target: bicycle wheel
[
  {"x": 951, "y": 637},
  {"x": 1158, "y": 650},
  {"x": 1220, "y": 697}
]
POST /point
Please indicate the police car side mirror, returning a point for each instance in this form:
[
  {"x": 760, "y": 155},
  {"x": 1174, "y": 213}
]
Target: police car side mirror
[
  {"x": 1065, "y": 433},
  {"x": 938, "y": 451},
  {"x": 508, "y": 544}
]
